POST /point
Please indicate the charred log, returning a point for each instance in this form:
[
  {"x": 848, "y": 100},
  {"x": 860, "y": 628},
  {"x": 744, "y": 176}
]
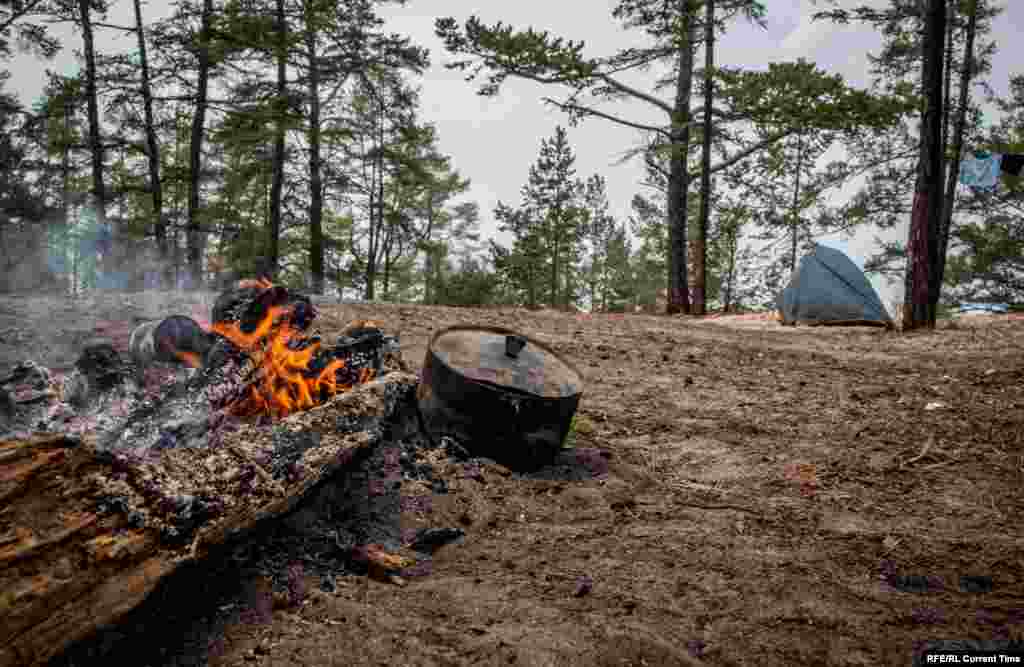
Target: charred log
[
  {"x": 98, "y": 370},
  {"x": 249, "y": 301},
  {"x": 197, "y": 412},
  {"x": 88, "y": 533}
]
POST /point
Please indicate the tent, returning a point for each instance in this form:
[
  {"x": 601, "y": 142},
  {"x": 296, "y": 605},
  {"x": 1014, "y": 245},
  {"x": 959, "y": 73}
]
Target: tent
[
  {"x": 828, "y": 288},
  {"x": 983, "y": 309}
]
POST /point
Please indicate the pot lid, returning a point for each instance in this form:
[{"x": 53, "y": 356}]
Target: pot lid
[{"x": 508, "y": 359}]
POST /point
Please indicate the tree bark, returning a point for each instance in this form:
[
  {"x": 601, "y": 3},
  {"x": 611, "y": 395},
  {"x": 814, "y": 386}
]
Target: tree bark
[
  {"x": 153, "y": 149},
  {"x": 66, "y": 205},
  {"x": 923, "y": 239},
  {"x": 428, "y": 255},
  {"x": 953, "y": 175},
  {"x": 730, "y": 272},
  {"x": 678, "y": 179},
  {"x": 699, "y": 250},
  {"x": 95, "y": 139},
  {"x": 195, "y": 255},
  {"x": 277, "y": 176},
  {"x": 316, "y": 188},
  {"x": 376, "y": 227},
  {"x": 796, "y": 200},
  {"x": 389, "y": 240},
  {"x": 947, "y": 77},
  {"x": 554, "y": 300}
]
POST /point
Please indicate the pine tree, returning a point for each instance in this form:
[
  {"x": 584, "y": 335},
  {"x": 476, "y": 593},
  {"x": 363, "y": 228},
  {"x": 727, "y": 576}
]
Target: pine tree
[
  {"x": 599, "y": 231},
  {"x": 727, "y": 258},
  {"x": 892, "y": 162},
  {"x": 522, "y": 267},
  {"x": 620, "y": 289},
  {"x": 548, "y": 227},
  {"x": 926, "y": 216},
  {"x": 649, "y": 260}
]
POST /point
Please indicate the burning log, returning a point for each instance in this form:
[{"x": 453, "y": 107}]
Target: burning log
[
  {"x": 92, "y": 522},
  {"x": 248, "y": 303}
]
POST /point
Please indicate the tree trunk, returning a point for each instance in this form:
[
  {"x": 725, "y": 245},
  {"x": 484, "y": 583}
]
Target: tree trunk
[
  {"x": 923, "y": 240},
  {"x": 730, "y": 272},
  {"x": 601, "y": 281},
  {"x": 796, "y": 200},
  {"x": 678, "y": 179},
  {"x": 180, "y": 197},
  {"x": 428, "y": 269},
  {"x": 316, "y": 188},
  {"x": 947, "y": 81},
  {"x": 389, "y": 240},
  {"x": 428, "y": 255},
  {"x": 370, "y": 270},
  {"x": 277, "y": 166},
  {"x": 699, "y": 250},
  {"x": 153, "y": 149},
  {"x": 376, "y": 227},
  {"x": 65, "y": 171},
  {"x": 953, "y": 175},
  {"x": 195, "y": 256},
  {"x": 95, "y": 140},
  {"x": 553, "y": 298}
]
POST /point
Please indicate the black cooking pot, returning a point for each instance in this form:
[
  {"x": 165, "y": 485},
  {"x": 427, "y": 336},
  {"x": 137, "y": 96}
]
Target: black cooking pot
[{"x": 500, "y": 394}]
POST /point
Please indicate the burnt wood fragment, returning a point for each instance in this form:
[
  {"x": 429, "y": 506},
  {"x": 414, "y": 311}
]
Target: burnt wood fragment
[{"x": 248, "y": 305}]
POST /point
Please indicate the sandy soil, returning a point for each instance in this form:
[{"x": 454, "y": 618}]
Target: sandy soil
[{"x": 774, "y": 496}]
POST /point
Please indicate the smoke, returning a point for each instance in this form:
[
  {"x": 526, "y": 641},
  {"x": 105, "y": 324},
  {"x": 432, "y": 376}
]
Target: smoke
[
  {"x": 85, "y": 253},
  {"x": 74, "y": 253}
]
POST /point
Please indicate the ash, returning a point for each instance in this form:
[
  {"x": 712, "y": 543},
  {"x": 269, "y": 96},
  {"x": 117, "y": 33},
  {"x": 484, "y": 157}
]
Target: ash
[{"x": 319, "y": 541}]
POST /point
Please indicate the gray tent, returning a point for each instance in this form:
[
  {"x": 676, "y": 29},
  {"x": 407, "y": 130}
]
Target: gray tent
[{"x": 828, "y": 288}]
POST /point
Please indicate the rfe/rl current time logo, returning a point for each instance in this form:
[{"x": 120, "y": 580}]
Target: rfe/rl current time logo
[{"x": 974, "y": 658}]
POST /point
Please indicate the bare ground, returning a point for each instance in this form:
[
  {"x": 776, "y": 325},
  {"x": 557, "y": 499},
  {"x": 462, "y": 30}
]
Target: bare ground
[{"x": 775, "y": 496}]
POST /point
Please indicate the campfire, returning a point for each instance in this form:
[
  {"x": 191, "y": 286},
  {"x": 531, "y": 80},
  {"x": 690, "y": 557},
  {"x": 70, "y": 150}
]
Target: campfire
[
  {"x": 255, "y": 360},
  {"x": 292, "y": 372},
  {"x": 111, "y": 483}
]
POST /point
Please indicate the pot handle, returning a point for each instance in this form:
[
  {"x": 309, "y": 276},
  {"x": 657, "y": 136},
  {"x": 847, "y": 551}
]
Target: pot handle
[{"x": 514, "y": 345}]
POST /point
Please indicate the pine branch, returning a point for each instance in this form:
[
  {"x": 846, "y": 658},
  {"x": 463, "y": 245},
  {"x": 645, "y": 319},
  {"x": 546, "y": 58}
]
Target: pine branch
[
  {"x": 638, "y": 94},
  {"x": 114, "y": 27},
  {"x": 17, "y": 14},
  {"x": 728, "y": 162},
  {"x": 571, "y": 107}
]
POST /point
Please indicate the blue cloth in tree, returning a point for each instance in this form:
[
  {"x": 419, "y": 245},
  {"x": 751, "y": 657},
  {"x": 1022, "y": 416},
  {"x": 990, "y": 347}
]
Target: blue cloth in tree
[{"x": 981, "y": 172}]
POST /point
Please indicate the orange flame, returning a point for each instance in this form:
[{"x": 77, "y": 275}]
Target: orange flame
[
  {"x": 190, "y": 358},
  {"x": 284, "y": 381},
  {"x": 261, "y": 283}
]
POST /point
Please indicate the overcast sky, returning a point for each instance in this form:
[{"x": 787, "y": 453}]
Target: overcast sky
[{"x": 493, "y": 141}]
